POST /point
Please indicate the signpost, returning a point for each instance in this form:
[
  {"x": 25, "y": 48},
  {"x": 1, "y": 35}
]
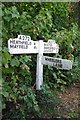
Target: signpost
[{"x": 24, "y": 45}]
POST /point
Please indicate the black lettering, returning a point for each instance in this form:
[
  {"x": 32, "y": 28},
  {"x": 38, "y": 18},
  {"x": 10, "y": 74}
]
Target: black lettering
[
  {"x": 60, "y": 65},
  {"x": 53, "y": 60},
  {"x": 22, "y": 42},
  {"x": 60, "y": 61},
  {"x": 12, "y": 41},
  {"x": 28, "y": 38},
  {"x": 30, "y": 43},
  {"x": 49, "y": 59},
  {"x": 46, "y": 47},
  {"x": 11, "y": 46},
  {"x": 19, "y": 46},
  {"x": 35, "y": 47},
  {"x": 17, "y": 42},
  {"x": 23, "y": 37},
  {"x": 57, "y": 60},
  {"x": 15, "y": 46},
  {"x": 23, "y": 46},
  {"x": 46, "y": 58},
  {"x": 20, "y": 37}
]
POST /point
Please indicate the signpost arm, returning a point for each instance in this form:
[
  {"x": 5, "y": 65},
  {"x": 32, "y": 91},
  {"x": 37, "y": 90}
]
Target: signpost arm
[{"x": 39, "y": 70}]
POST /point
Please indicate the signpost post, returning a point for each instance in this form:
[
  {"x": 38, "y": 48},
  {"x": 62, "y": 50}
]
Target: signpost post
[
  {"x": 39, "y": 70},
  {"x": 24, "y": 45}
]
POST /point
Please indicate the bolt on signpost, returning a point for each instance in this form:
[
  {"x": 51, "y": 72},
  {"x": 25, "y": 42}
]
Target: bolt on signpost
[{"x": 23, "y": 44}]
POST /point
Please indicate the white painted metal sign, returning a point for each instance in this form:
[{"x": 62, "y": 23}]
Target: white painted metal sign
[
  {"x": 57, "y": 62},
  {"x": 23, "y": 44},
  {"x": 51, "y": 47}
]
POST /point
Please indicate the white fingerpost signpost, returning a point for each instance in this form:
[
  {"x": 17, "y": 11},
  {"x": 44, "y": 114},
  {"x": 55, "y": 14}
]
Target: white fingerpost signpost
[{"x": 24, "y": 45}]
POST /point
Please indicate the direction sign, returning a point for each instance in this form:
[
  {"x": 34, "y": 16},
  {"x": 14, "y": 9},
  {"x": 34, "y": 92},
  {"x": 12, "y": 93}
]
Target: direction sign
[
  {"x": 22, "y": 45},
  {"x": 57, "y": 62},
  {"x": 51, "y": 47}
]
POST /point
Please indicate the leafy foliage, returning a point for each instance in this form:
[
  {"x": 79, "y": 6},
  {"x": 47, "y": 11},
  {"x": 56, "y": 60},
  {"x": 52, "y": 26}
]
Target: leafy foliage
[{"x": 52, "y": 21}]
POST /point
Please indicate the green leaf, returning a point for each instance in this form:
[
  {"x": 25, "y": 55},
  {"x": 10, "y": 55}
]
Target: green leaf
[
  {"x": 5, "y": 57},
  {"x": 15, "y": 62},
  {"x": 29, "y": 104},
  {"x": 62, "y": 88},
  {"x": 4, "y": 93},
  {"x": 59, "y": 81},
  {"x": 7, "y": 18},
  {"x": 26, "y": 58},
  {"x": 63, "y": 76},
  {"x": 5, "y": 49},
  {"x": 15, "y": 13},
  {"x": 55, "y": 76}
]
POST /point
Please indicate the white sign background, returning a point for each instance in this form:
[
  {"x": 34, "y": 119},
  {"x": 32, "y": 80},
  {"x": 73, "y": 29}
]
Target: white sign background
[{"x": 19, "y": 46}]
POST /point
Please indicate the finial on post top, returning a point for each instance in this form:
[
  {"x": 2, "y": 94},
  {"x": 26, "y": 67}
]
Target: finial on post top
[{"x": 40, "y": 37}]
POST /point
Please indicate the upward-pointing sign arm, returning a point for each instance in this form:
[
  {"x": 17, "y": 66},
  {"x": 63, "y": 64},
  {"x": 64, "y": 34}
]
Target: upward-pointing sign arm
[{"x": 51, "y": 47}]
